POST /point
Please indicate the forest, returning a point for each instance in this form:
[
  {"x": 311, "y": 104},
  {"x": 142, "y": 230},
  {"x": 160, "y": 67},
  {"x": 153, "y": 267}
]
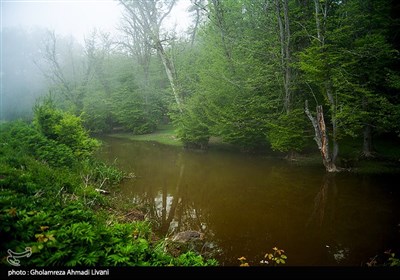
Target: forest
[
  {"x": 286, "y": 76},
  {"x": 254, "y": 73}
]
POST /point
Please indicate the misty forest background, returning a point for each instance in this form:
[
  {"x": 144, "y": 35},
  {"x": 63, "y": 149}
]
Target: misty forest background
[{"x": 252, "y": 72}]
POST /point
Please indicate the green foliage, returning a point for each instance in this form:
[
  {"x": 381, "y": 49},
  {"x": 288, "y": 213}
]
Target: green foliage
[
  {"x": 64, "y": 128},
  {"x": 25, "y": 139},
  {"x": 98, "y": 173},
  {"x": 193, "y": 259},
  {"x": 244, "y": 123},
  {"x": 192, "y": 125},
  {"x": 347, "y": 68},
  {"x": 389, "y": 259},
  {"x": 135, "y": 111},
  {"x": 287, "y": 132},
  {"x": 52, "y": 211},
  {"x": 393, "y": 261},
  {"x": 276, "y": 257},
  {"x": 97, "y": 113}
]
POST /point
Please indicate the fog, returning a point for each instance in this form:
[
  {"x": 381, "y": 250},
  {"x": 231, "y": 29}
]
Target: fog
[
  {"x": 26, "y": 74},
  {"x": 65, "y": 17}
]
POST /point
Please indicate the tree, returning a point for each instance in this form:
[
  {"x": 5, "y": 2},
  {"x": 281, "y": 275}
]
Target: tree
[
  {"x": 146, "y": 17},
  {"x": 316, "y": 62},
  {"x": 60, "y": 67},
  {"x": 366, "y": 65},
  {"x": 284, "y": 36}
]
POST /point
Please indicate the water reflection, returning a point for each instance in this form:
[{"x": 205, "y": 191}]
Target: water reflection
[
  {"x": 324, "y": 203},
  {"x": 245, "y": 205},
  {"x": 322, "y": 217}
]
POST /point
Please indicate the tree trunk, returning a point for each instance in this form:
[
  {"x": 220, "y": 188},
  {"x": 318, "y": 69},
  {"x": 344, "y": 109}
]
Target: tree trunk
[
  {"x": 321, "y": 138},
  {"x": 146, "y": 17},
  {"x": 284, "y": 36},
  {"x": 367, "y": 133},
  {"x": 288, "y": 74},
  {"x": 197, "y": 22},
  {"x": 367, "y": 143},
  {"x": 171, "y": 73}
]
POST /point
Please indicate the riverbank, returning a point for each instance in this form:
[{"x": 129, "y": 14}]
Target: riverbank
[
  {"x": 386, "y": 158},
  {"x": 50, "y": 203},
  {"x": 166, "y": 135}
]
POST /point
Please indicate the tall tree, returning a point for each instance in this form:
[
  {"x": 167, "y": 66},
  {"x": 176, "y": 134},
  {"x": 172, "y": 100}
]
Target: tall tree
[
  {"x": 316, "y": 62},
  {"x": 59, "y": 63},
  {"x": 148, "y": 16},
  {"x": 367, "y": 63},
  {"x": 97, "y": 48},
  {"x": 282, "y": 13}
]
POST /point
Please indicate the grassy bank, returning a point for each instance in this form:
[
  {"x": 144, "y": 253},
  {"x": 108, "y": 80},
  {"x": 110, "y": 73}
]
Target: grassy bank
[
  {"x": 165, "y": 134},
  {"x": 49, "y": 203},
  {"x": 386, "y": 158}
]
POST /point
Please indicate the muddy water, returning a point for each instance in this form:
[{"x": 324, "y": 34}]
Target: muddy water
[{"x": 246, "y": 205}]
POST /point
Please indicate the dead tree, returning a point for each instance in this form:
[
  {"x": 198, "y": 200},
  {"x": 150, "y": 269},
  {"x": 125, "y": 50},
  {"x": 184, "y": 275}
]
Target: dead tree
[{"x": 321, "y": 138}]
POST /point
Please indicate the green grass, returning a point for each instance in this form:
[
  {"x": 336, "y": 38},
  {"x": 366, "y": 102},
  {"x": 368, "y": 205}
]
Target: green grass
[{"x": 165, "y": 134}]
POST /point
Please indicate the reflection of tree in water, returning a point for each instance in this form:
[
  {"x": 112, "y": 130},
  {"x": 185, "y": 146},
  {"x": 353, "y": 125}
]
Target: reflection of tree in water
[
  {"x": 176, "y": 213},
  {"x": 323, "y": 217},
  {"x": 324, "y": 202}
]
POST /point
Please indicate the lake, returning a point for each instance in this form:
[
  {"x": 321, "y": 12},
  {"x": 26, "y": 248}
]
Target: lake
[{"x": 247, "y": 204}]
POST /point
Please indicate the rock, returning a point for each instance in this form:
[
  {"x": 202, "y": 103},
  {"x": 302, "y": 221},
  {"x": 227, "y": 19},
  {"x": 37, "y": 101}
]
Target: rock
[
  {"x": 185, "y": 241},
  {"x": 187, "y": 236}
]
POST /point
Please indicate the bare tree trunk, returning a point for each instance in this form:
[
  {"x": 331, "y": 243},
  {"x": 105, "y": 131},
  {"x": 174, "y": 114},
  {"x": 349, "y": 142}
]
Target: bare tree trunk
[
  {"x": 317, "y": 20},
  {"x": 282, "y": 39},
  {"x": 367, "y": 134},
  {"x": 196, "y": 4},
  {"x": 288, "y": 74},
  {"x": 321, "y": 137},
  {"x": 171, "y": 73},
  {"x": 219, "y": 15},
  {"x": 367, "y": 141},
  {"x": 332, "y": 103},
  {"x": 220, "y": 22},
  {"x": 284, "y": 34}
]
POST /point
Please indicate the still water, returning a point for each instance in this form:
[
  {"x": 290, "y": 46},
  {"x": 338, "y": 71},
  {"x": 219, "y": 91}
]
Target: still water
[{"x": 245, "y": 205}]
